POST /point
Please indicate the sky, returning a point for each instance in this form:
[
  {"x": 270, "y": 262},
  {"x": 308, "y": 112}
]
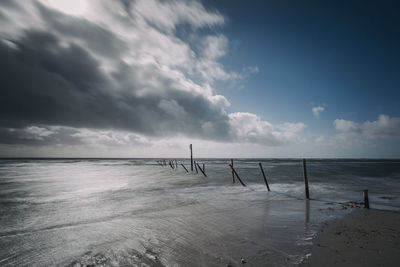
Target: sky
[{"x": 146, "y": 78}]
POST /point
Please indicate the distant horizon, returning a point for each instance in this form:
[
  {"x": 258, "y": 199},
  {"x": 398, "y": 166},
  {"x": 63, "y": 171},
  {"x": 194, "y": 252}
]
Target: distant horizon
[{"x": 172, "y": 158}]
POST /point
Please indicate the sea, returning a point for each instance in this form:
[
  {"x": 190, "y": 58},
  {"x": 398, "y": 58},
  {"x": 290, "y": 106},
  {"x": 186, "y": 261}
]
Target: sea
[{"x": 142, "y": 212}]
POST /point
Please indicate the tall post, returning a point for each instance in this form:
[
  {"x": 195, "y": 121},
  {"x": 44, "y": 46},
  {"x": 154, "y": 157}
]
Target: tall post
[
  {"x": 366, "y": 201},
  {"x": 305, "y": 179},
  {"x": 191, "y": 156},
  {"x": 233, "y": 175},
  {"x": 265, "y": 178}
]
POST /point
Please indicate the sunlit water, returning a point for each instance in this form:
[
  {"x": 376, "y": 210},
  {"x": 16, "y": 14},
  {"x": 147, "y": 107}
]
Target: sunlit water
[{"x": 135, "y": 212}]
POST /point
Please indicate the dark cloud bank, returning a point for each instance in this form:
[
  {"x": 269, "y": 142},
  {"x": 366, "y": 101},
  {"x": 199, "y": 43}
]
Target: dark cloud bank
[
  {"x": 45, "y": 83},
  {"x": 69, "y": 71}
]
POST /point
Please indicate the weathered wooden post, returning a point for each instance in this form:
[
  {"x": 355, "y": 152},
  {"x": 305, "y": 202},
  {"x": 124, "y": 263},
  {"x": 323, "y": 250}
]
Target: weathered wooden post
[
  {"x": 195, "y": 166},
  {"x": 204, "y": 168},
  {"x": 233, "y": 175},
  {"x": 265, "y": 179},
  {"x": 184, "y": 168},
  {"x": 366, "y": 201},
  {"x": 191, "y": 156},
  {"x": 305, "y": 179},
  {"x": 237, "y": 175},
  {"x": 201, "y": 170}
]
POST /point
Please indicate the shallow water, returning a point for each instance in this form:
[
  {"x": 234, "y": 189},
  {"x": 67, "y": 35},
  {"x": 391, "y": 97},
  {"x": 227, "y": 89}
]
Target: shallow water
[{"x": 135, "y": 212}]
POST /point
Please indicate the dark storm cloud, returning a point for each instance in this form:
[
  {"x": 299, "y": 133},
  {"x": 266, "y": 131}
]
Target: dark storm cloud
[
  {"x": 47, "y": 83},
  {"x": 65, "y": 76}
]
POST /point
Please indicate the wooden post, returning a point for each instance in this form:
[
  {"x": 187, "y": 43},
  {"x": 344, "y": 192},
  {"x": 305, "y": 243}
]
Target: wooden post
[
  {"x": 184, "y": 168},
  {"x": 191, "y": 156},
  {"x": 366, "y": 201},
  {"x": 237, "y": 175},
  {"x": 195, "y": 167},
  {"x": 265, "y": 179},
  {"x": 201, "y": 170},
  {"x": 176, "y": 164},
  {"x": 204, "y": 168},
  {"x": 233, "y": 175},
  {"x": 305, "y": 179}
]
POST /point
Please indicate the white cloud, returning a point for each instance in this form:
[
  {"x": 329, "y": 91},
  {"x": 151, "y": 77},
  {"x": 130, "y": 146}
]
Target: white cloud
[
  {"x": 106, "y": 138},
  {"x": 167, "y": 15},
  {"x": 37, "y": 133},
  {"x": 346, "y": 126},
  {"x": 248, "y": 127},
  {"x": 383, "y": 127},
  {"x": 215, "y": 46},
  {"x": 317, "y": 111}
]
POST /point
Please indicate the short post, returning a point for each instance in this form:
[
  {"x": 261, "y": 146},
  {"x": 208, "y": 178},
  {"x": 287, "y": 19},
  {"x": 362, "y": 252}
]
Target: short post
[
  {"x": 201, "y": 170},
  {"x": 195, "y": 167},
  {"x": 366, "y": 201},
  {"x": 305, "y": 179},
  {"x": 233, "y": 175},
  {"x": 176, "y": 164},
  {"x": 184, "y": 168},
  {"x": 191, "y": 156},
  {"x": 237, "y": 175},
  {"x": 265, "y": 179},
  {"x": 204, "y": 168}
]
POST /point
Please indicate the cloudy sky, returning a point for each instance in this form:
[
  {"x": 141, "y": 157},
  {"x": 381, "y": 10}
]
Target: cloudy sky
[{"x": 145, "y": 78}]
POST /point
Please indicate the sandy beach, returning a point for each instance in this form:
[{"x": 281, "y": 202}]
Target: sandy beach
[{"x": 362, "y": 238}]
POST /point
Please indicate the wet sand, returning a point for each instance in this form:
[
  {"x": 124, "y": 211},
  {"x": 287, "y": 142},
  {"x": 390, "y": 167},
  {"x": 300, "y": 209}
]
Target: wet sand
[
  {"x": 251, "y": 234},
  {"x": 362, "y": 238},
  {"x": 133, "y": 213}
]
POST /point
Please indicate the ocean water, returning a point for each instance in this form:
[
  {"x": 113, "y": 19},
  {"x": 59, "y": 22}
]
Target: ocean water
[{"x": 134, "y": 212}]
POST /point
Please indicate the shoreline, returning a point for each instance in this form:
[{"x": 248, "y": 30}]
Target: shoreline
[{"x": 361, "y": 238}]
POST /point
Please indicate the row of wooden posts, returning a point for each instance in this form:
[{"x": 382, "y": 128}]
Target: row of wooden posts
[
  {"x": 307, "y": 191},
  {"x": 174, "y": 165},
  {"x": 235, "y": 174}
]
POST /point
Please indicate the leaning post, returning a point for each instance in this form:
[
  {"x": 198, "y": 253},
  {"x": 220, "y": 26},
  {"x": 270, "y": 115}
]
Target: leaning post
[
  {"x": 265, "y": 178},
  {"x": 237, "y": 175},
  {"x": 184, "y": 168}
]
